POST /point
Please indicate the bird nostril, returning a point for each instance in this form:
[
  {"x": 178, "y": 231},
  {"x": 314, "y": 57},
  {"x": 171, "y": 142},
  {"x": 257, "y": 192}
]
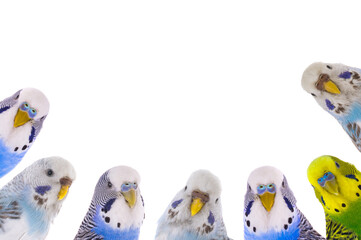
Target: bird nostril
[{"x": 65, "y": 181}]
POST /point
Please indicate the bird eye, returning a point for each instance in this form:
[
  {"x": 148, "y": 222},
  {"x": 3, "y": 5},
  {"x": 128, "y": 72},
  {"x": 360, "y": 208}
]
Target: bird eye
[
  {"x": 337, "y": 165},
  {"x": 17, "y": 97},
  {"x": 49, "y": 172},
  {"x": 328, "y": 66},
  {"x": 110, "y": 185},
  {"x": 313, "y": 94},
  {"x": 216, "y": 200},
  {"x": 24, "y": 106},
  {"x": 32, "y": 112},
  {"x": 185, "y": 188}
]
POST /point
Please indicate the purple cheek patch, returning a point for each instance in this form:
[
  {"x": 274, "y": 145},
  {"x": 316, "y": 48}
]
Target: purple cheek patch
[
  {"x": 42, "y": 189},
  {"x": 345, "y": 75},
  {"x": 211, "y": 218},
  {"x": 329, "y": 105},
  {"x": 176, "y": 203}
]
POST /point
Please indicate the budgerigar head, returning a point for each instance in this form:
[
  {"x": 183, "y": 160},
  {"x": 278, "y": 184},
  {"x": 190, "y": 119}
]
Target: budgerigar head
[
  {"x": 266, "y": 183},
  {"x": 269, "y": 202},
  {"x": 197, "y": 206},
  {"x": 336, "y": 183},
  {"x": 32, "y": 105},
  {"x": 334, "y": 86},
  {"x": 117, "y": 193},
  {"x": 47, "y": 183}
]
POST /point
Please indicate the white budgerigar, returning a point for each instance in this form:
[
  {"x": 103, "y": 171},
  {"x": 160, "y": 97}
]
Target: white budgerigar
[
  {"x": 21, "y": 119},
  {"x": 337, "y": 89},
  {"x": 270, "y": 210},
  {"x": 195, "y": 213},
  {"x": 30, "y": 202},
  {"x": 116, "y": 211}
]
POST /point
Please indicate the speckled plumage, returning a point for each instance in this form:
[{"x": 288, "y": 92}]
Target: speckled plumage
[
  {"x": 30, "y": 202},
  {"x": 282, "y": 220},
  {"x": 343, "y": 99},
  {"x": 17, "y": 138},
  {"x": 341, "y": 203},
  {"x": 177, "y": 222}
]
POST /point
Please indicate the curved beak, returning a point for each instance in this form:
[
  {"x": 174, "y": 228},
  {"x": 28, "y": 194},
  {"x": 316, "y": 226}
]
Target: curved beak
[
  {"x": 267, "y": 200},
  {"x": 196, "y": 205},
  {"x": 331, "y": 87},
  {"x": 331, "y": 186},
  {"x": 21, "y": 118},
  {"x": 65, "y": 183},
  {"x": 130, "y": 197},
  {"x": 324, "y": 83}
]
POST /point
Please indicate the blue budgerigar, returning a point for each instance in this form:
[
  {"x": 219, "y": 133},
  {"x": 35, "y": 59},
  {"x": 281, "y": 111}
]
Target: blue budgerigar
[
  {"x": 195, "y": 213},
  {"x": 21, "y": 119},
  {"x": 116, "y": 211},
  {"x": 270, "y": 210},
  {"x": 31, "y": 201},
  {"x": 337, "y": 89}
]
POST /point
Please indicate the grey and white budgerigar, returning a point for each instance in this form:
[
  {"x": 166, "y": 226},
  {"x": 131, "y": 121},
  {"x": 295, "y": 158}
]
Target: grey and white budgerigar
[
  {"x": 116, "y": 211},
  {"x": 270, "y": 210},
  {"x": 30, "y": 202},
  {"x": 195, "y": 213},
  {"x": 21, "y": 119},
  {"x": 337, "y": 89}
]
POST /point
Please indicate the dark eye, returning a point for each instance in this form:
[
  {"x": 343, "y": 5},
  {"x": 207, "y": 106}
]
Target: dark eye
[
  {"x": 337, "y": 165},
  {"x": 283, "y": 184},
  {"x": 313, "y": 94},
  {"x": 216, "y": 200},
  {"x": 185, "y": 188},
  {"x": 110, "y": 184},
  {"x": 17, "y": 97},
  {"x": 328, "y": 66},
  {"x": 49, "y": 172}
]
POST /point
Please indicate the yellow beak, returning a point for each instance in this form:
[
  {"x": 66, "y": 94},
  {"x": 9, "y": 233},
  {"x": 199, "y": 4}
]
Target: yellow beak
[
  {"x": 267, "y": 200},
  {"x": 332, "y": 187},
  {"x": 63, "y": 191},
  {"x": 21, "y": 118},
  {"x": 196, "y": 206},
  {"x": 331, "y": 87},
  {"x": 130, "y": 197}
]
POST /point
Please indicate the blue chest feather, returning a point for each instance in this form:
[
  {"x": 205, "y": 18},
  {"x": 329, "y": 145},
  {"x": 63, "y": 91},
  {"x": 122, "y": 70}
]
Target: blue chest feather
[
  {"x": 109, "y": 233},
  {"x": 353, "y": 116},
  {"x": 35, "y": 217},
  {"x": 190, "y": 236},
  {"x": 292, "y": 233},
  {"x": 8, "y": 158}
]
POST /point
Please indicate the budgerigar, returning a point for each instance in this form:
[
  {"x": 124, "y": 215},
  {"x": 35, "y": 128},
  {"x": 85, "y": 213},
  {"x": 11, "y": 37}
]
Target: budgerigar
[
  {"x": 195, "y": 213},
  {"x": 337, "y": 89},
  {"x": 338, "y": 188},
  {"x": 31, "y": 201},
  {"x": 21, "y": 118},
  {"x": 116, "y": 211},
  {"x": 270, "y": 210}
]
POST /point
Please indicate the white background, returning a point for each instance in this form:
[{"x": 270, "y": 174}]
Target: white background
[{"x": 171, "y": 87}]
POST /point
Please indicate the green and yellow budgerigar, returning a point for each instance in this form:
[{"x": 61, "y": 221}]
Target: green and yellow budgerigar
[{"x": 337, "y": 186}]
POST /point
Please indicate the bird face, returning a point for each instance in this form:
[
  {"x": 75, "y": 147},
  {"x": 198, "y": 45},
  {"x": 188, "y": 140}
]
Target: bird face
[
  {"x": 122, "y": 182},
  {"x": 198, "y": 200},
  {"x": 203, "y": 188},
  {"x": 33, "y": 105},
  {"x": 25, "y": 114},
  {"x": 329, "y": 183},
  {"x": 50, "y": 179},
  {"x": 323, "y": 79},
  {"x": 267, "y": 195},
  {"x": 128, "y": 190}
]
